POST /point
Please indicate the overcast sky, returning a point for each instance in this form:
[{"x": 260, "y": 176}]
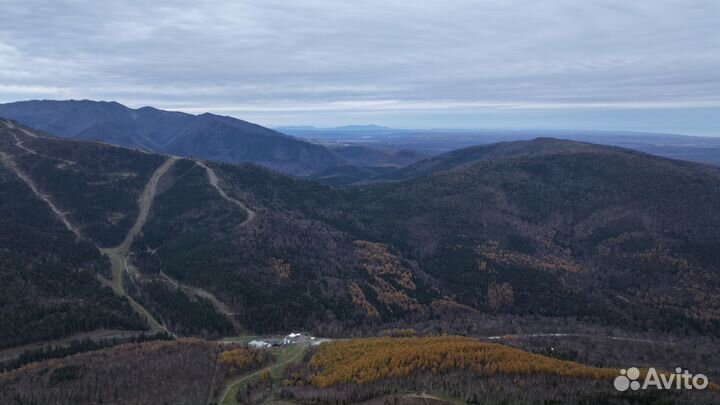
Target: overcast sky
[{"x": 596, "y": 64}]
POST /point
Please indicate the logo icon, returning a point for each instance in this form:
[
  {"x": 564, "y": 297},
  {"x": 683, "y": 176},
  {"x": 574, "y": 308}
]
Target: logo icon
[{"x": 628, "y": 379}]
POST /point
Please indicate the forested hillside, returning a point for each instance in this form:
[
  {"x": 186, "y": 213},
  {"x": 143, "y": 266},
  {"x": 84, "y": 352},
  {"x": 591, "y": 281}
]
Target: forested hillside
[
  {"x": 48, "y": 285},
  {"x": 253, "y": 248},
  {"x": 281, "y": 268},
  {"x": 562, "y": 228},
  {"x": 545, "y": 227},
  {"x": 96, "y": 185}
]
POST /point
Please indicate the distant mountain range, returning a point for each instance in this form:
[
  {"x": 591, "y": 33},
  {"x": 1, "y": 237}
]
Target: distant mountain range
[
  {"x": 435, "y": 141},
  {"x": 205, "y": 136},
  {"x": 340, "y": 156}
]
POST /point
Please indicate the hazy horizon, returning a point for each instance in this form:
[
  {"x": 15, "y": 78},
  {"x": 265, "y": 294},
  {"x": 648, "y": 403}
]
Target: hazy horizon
[
  {"x": 413, "y": 126},
  {"x": 650, "y": 66}
]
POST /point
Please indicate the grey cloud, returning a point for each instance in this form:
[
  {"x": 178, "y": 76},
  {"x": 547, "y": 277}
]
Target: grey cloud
[{"x": 312, "y": 55}]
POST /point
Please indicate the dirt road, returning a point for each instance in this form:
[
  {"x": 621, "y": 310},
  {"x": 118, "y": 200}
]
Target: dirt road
[
  {"x": 145, "y": 202},
  {"x": 574, "y": 335},
  {"x": 199, "y": 292},
  {"x": 8, "y": 161},
  {"x": 95, "y": 336},
  {"x": 120, "y": 255},
  {"x": 231, "y": 386},
  {"x": 212, "y": 177}
]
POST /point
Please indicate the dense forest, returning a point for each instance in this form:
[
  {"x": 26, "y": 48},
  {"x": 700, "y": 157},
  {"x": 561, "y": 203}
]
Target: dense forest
[
  {"x": 558, "y": 228},
  {"x": 173, "y": 372},
  {"x": 183, "y": 314},
  {"x": 48, "y": 286},
  {"x": 282, "y": 270},
  {"x": 74, "y": 347},
  {"x": 539, "y": 228},
  {"x": 97, "y": 184}
]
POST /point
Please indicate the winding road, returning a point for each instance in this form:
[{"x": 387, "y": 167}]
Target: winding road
[
  {"x": 232, "y": 385},
  {"x": 213, "y": 179}
]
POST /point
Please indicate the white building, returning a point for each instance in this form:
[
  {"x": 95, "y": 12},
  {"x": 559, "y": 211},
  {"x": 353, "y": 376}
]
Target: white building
[
  {"x": 259, "y": 344},
  {"x": 294, "y": 338}
]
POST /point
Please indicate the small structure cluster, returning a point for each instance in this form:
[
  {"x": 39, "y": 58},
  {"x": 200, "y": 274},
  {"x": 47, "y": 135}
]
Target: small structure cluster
[
  {"x": 295, "y": 338},
  {"x": 291, "y": 339}
]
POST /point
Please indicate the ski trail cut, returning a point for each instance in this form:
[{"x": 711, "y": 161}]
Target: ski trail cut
[
  {"x": 8, "y": 161},
  {"x": 213, "y": 179}
]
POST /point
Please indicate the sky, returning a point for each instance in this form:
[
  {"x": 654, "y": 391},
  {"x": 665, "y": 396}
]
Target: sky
[{"x": 642, "y": 65}]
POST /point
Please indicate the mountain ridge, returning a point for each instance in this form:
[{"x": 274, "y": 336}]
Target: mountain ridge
[
  {"x": 524, "y": 148},
  {"x": 208, "y": 136}
]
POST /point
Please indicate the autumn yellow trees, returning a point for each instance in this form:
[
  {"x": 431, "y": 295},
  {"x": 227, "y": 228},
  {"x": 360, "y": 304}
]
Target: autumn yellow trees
[
  {"x": 499, "y": 296},
  {"x": 243, "y": 359},
  {"x": 366, "y": 360}
]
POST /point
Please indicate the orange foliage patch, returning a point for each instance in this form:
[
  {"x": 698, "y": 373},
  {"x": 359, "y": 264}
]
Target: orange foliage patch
[
  {"x": 365, "y": 360},
  {"x": 493, "y": 252},
  {"x": 359, "y": 299},
  {"x": 243, "y": 359}
]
